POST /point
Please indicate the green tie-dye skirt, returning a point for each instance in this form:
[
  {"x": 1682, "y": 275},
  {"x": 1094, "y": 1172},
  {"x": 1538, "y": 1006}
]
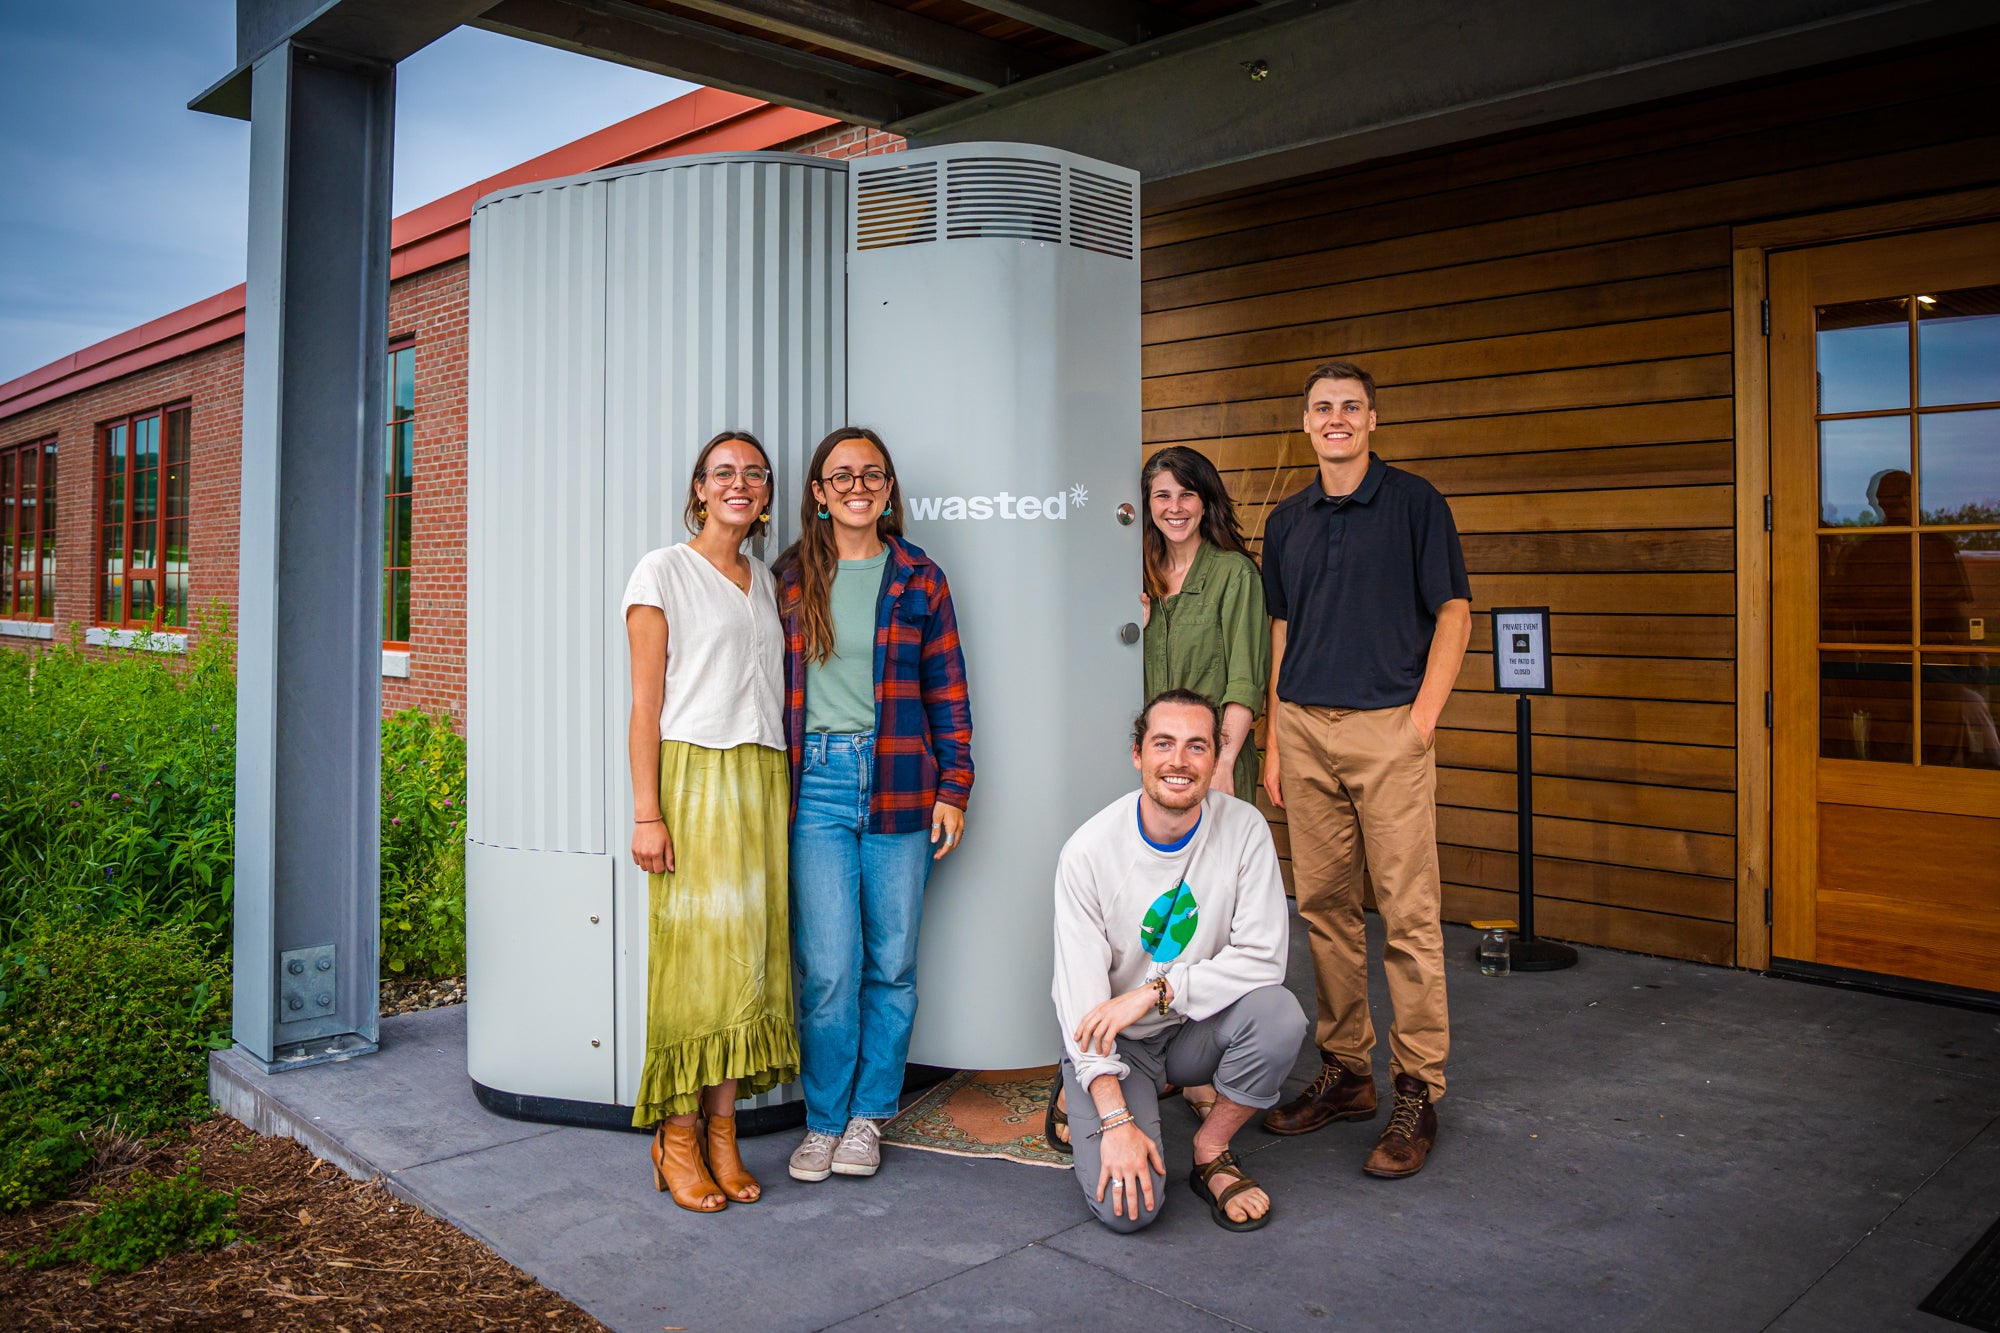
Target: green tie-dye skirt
[{"x": 719, "y": 989}]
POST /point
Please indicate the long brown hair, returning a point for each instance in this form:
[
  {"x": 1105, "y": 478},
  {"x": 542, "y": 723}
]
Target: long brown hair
[
  {"x": 692, "y": 514},
  {"x": 1219, "y": 527},
  {"x": 814, "y": 552}
]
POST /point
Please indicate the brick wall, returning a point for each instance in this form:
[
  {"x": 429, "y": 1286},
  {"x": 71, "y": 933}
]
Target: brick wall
[
  {"x": 211, "y": 383},
  {"x": 845, "y": 141}
]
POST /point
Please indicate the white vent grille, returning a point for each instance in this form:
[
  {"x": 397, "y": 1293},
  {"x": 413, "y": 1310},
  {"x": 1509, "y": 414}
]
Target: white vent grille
[
  {"x": 988, "y": 197},
  {"x": 895, "y": 206},
  {"x": 1012, "y": 198},
  {"x": 1101, "y": 214}
]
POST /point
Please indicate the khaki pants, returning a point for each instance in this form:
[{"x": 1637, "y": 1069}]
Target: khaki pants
[{"x": 1361, "y": 793}]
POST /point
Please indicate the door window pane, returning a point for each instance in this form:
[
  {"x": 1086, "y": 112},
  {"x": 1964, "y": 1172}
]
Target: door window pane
[
  {"x": 1853, "y": 458},
  {"x": 1958, "y": 347},
  {"x": 1959, "y": 584},
  {"x": 1864, "y": 356},
  {"x": 142, "y": 600},
  {"x": 1959, "y": 693},
  {"x": 1864, "y": 587},
  {"x": 1864, "y": 707},
  {"x": 402, "y": 383},
  {"x": 1959, "y": 455}
]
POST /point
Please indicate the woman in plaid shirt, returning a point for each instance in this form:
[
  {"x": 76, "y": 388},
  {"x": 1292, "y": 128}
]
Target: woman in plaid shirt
[{"x": 880, "y": 735}]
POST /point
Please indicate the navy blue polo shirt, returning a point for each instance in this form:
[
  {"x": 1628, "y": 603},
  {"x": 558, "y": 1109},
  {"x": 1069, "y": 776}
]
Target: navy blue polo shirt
[{"x": 1358, "y": 581}]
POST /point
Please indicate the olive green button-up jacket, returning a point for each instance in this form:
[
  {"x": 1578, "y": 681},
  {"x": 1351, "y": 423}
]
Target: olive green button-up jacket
[{"x": 1212, "y": 637}]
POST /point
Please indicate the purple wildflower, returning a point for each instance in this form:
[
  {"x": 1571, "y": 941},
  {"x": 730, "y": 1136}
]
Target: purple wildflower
[
  {"x": 117, "y": 795},
  {"x": 398, "y": 820},
  {"x": 447, "y": 802}
]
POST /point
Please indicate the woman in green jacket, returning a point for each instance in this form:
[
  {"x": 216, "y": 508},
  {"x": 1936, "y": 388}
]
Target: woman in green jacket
[{"x": 1204, "y": 605}]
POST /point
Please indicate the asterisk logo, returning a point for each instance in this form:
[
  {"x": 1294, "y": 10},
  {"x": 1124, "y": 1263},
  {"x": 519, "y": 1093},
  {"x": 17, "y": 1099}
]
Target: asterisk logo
[{"x": 1078, "y": 496}]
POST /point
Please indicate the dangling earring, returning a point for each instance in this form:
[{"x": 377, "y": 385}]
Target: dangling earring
[
  {"x": 822, "y": 511},
  {"x": 764, "y": 517},
  {"x": 888, "y": 510},
  {"x": 702, "y": 513}
]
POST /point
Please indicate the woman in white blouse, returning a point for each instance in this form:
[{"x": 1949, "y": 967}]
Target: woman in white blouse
[{"x": 709, "y": 807}]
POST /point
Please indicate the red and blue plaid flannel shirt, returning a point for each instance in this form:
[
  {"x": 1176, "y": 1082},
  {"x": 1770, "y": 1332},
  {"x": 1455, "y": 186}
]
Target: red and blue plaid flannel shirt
[{"x": 923, "y": 718}]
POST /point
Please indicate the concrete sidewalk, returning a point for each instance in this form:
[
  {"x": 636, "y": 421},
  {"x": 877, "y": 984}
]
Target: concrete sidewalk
[{"x": 1633, "y": 1144}]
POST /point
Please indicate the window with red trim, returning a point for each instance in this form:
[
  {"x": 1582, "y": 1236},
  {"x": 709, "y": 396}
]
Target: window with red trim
[
  {"x": 143, "y": 520},
  {"x": 28, "y": 531},
  {"x": 398, "y": 483}
]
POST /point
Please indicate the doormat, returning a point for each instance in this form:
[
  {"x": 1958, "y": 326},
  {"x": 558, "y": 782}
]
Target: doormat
[
  {"x": 1970, "y": 1293},
  {"x": 982, "y": 1113}
]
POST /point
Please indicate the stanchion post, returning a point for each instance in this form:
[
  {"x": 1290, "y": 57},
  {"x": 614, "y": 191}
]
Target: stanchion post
[{"x": 1521, "y": 657}]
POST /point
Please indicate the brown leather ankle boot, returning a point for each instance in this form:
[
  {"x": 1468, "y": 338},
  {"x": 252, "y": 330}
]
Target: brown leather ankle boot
[
  {"x": 1337, "y": 1094},
  {"x": 727, "y": 1163},
  {"x": 1413, "y": 1129},
  {"x": 679, "y": 1170}
]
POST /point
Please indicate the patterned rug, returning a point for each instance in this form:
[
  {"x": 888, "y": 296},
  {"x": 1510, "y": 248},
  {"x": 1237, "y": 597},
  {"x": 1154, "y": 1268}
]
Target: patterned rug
[{"x": 982, "y": 1113}]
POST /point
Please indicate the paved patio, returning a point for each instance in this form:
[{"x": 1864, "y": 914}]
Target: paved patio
[{"x": 1633, "y": 1144}]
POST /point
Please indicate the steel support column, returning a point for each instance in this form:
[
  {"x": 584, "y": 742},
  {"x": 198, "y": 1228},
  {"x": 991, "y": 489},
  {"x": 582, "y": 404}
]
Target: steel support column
[{"x": 309, "y": 636}]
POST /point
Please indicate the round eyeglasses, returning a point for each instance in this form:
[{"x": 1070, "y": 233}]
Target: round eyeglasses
[
  {"x": 726, "y": 476},
  {"x": 874, "y": 479}
]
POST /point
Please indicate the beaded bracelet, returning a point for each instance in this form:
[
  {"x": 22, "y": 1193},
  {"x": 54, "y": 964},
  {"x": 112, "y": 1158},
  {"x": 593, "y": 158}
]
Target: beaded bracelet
[
  {"x": 1121, "y": 1116},
  {"x": 1159, "y": 984}
]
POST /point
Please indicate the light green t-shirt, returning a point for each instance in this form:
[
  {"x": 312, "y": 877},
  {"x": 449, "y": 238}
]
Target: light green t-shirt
[{"x": 840, "y": 692}]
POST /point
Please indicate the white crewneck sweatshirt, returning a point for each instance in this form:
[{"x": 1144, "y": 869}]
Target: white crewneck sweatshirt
[{"x": 1209, "y": 916}]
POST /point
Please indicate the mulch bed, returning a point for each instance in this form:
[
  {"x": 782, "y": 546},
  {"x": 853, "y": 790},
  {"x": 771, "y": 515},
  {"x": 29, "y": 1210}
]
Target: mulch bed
[
  {"x": 407, "y": 995},
  {"x": 329, "y": 1254}
]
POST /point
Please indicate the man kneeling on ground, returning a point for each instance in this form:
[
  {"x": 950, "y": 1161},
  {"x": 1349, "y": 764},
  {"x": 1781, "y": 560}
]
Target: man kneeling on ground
[{"x": 1170, "y": 968}]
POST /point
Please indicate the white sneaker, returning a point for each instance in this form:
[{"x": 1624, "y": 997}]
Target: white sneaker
[
  {"x": 860, "y": 1150},
  {"x": 813, "y": 1159}
]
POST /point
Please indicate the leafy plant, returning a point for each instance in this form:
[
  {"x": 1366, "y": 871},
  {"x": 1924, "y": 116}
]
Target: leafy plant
[
  {"x": 100, "y": 1023},
  {"x": 423, "y": 844},
  {"x": 117, "y": 789},
  {"x": 147, "y": 1220}
]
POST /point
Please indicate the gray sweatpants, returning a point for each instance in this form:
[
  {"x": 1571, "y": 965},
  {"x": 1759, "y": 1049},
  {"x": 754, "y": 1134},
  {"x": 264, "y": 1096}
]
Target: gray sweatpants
[{"x": 1245, "y": 1051}]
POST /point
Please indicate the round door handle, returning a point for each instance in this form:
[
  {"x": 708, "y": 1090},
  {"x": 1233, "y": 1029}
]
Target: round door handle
[
  {"x": 1128, "y": 632},
  {"x": 1126, "y": 513}
]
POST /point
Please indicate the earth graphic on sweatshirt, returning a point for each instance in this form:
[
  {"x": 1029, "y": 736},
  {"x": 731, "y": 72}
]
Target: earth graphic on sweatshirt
[{"x": 1169, "y": 923}]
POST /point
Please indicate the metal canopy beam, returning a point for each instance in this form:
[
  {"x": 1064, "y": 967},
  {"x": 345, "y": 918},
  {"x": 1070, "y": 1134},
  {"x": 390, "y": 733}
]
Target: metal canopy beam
[
  {"x": 309, "y": 630},
  {"x": 381, "y": 30},
  {"x": 647, "y": 39},
  {"x": 887, "y": 36},
  {"x": 1108, "y": 25}
]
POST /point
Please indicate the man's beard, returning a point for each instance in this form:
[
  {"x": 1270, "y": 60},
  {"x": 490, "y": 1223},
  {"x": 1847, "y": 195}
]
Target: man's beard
[{"x": 1176, "y": 799}]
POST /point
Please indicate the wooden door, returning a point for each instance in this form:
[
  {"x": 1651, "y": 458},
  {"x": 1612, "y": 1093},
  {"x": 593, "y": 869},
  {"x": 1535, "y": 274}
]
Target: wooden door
[{"x": 1885, "y": 472}]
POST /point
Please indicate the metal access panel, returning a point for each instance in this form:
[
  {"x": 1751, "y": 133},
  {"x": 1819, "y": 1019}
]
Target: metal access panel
[
  {"x": 993, "y": 340},
  {"x": 539, "y": 956}
]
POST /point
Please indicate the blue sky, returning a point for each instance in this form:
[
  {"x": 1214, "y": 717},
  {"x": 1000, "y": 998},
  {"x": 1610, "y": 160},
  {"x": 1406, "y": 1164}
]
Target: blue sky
[{"x": 117, "y": 204}]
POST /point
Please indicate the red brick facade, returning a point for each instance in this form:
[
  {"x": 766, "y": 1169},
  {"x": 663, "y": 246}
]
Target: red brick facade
[{"x": 429, "y": 307}]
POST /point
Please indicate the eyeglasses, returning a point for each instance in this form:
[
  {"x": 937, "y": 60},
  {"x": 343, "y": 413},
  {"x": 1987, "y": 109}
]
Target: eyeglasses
[
  {"x": 726, "y": 476},
  {"x": 874, "y": 479}
]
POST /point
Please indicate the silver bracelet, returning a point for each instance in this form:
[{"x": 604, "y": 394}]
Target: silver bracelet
[{"x": 1121, "y": 1116}]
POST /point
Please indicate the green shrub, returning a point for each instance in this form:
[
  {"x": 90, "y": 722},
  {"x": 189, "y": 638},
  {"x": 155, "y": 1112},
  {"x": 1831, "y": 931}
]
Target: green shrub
[
  {"x": 149, "y": 1219},
  {"x": 101, "y": 1023},
  {"x": 38, "y": 1160},
  {"x": 423, "y": 845},
  {"x": 117, "y": 787}
]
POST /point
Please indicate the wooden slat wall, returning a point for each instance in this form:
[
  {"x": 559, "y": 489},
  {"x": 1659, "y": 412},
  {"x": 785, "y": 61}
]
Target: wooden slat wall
[{"x": 1549, "y": 318}]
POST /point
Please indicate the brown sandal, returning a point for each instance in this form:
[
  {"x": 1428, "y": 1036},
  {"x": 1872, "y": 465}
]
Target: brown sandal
[
  {"x": 679, "y": 1171},
  {"x": 1218, "y": 1204},
  {"x": 730, "y": 1173}
]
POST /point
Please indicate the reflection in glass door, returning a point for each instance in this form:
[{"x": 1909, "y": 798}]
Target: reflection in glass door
[{"x": 1909, "y": 538}]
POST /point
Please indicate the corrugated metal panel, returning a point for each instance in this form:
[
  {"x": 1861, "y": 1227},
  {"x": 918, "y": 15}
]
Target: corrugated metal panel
[
  {"x": 535, "y": 706},
  {"x": 726, "y": 311}
]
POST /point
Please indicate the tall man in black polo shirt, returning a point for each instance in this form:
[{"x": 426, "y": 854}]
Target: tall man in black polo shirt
[{"x": 1370, "y": 614}]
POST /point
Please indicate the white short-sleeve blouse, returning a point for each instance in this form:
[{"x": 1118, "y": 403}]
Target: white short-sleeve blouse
[{"x": 725, "y": 650}]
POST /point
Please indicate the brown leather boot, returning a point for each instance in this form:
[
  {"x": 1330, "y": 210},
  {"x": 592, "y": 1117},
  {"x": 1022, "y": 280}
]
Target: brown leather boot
[
  {"x": 1413, "y": 1129},
  {"x": 727, "y": 1163},
  {"x": 1337, "y": 1094},
  {"x": 679, "y": 1170}
]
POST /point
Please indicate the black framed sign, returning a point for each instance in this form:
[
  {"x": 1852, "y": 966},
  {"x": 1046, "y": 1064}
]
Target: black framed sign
[{"x": 1521, "y": 650}]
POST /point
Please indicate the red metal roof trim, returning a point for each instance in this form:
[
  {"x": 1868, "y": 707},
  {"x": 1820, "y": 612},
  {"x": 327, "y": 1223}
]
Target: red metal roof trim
[{"x": 704, "y": 121}]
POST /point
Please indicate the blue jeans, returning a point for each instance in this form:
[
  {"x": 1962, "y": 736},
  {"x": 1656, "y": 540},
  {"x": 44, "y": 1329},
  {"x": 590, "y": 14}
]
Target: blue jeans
[{"x": 857, "y": 901}]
